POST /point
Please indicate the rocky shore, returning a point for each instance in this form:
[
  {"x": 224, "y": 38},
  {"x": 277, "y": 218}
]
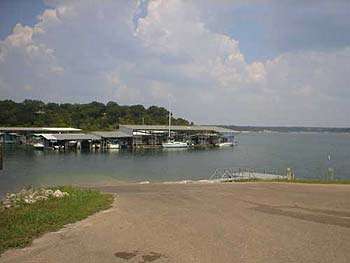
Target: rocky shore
[{"x": 30, "y": 196}]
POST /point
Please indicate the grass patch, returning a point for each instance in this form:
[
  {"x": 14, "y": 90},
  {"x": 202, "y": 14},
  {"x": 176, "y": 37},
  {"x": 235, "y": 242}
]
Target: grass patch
[{"x": 20, "y": 225}]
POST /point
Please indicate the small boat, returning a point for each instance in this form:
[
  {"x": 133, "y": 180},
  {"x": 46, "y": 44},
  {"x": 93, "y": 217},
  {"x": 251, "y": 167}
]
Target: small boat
[
  {"x": 113, "y": 146},
  {"x": 225, "y": 144},
  {"x": 175, "y": 144},
  {"x": 38, "y": 146}
]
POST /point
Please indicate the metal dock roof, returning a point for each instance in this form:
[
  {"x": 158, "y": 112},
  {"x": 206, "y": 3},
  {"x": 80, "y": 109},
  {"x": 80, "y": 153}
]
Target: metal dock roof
[
  {"x": 178, "y": 128},
  {"x": 112, "y": 134},
  {"x": 39, "y": 129},
  {"x": 70, "y": 137}
]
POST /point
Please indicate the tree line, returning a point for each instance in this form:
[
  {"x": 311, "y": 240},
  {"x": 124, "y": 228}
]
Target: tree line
[{"x": 89, "y": 116}]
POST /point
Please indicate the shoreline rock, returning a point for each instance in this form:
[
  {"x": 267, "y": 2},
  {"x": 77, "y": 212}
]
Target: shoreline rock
[{"x": 30, "y": 196}]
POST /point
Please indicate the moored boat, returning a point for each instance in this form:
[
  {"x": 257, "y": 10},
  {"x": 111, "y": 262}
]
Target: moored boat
[
  {"x": 113, "y": 146},
  {"x": 38, "y": 146},
  {"x": 225, "y": 144},
  {"x": 175, "y": 144}
]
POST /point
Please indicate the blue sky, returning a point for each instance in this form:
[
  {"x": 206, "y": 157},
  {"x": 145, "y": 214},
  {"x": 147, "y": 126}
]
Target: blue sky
[
  {"x": 257, "y": 62},
  {"x": 18, "y": 11}
]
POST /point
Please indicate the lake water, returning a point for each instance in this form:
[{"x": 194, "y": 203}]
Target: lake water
[{"x": 307, "y": 154}]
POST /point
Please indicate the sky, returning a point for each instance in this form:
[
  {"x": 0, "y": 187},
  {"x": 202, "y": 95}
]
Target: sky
[{"x": 243, "y": 62}]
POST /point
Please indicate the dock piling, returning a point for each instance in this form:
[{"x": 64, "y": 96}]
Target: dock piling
[
  {"x": 290, "y": 174},
  {"x": 1, "y": 155}
]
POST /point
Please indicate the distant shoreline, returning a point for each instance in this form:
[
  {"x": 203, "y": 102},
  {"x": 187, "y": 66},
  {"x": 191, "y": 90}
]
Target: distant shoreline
[
  {"x": 287, "y": 129},
  {"x": 291, "y": 132}
]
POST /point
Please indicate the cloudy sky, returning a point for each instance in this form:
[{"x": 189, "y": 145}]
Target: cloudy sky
[{"x": 257, "y": 62}]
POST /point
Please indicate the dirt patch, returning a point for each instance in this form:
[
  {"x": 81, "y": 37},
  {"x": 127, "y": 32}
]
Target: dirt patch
[
  {"x": 146, "y": 256},
  {"x": 328, "y": 217},
  {"x": 152, "y": 256},
  {"x": 126, "y": 255}
]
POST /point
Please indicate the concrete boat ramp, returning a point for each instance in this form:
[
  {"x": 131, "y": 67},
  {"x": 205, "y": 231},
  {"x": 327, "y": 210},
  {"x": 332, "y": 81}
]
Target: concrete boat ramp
[{"x": 231, "y": 222}]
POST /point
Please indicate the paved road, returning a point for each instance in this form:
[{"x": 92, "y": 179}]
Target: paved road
[{"x": 252, "y": 222}]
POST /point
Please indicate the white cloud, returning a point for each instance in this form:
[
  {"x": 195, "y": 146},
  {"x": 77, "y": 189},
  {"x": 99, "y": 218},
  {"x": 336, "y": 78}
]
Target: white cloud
[
  {"x": 173, "y": 27},
  {"x": 21, "y": 36},
  {"x": 89, "y": 50}
]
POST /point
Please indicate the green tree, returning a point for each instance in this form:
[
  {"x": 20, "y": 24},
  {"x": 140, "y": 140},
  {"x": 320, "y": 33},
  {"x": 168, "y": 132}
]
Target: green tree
[{"x": 89, "y": 116}]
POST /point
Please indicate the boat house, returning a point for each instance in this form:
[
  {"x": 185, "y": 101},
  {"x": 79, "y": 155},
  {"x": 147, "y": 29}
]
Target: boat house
[
  {"x": 148, "y": 136},
  {"x": 128, "y": 136},
  {"x": 123, "y": 139},
  {"x": 25, "y": 134},
  {"x": 70, "y": 141}
]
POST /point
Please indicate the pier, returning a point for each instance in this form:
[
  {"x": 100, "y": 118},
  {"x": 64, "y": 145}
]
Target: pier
[
  {"x": 242, "y": 174},
  {"x": 146, "y": 136},
  {"x": 25, "y": 135},
  {"x": 70, "y": 141},
  {"x": 123, "y": 139},
  {"x": 126, "y": 137}
]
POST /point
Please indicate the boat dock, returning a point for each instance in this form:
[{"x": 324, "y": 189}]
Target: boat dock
[
  {"x": 243, "y": 174},
  {"x": 127, "y": 136}
]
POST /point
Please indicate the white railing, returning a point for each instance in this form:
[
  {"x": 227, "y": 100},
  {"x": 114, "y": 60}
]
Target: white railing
[{"x": 236, "y": 174}]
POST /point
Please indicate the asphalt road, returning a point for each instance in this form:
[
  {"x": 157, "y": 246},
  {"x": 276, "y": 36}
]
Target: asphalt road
[{"x": 246, "y": 222}]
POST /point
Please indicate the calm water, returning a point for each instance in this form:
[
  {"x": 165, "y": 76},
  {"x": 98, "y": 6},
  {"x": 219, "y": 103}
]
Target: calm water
[{"x": 305, "y": 153}]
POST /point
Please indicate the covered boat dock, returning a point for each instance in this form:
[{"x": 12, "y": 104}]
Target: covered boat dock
[
  {"x": 24, "y": 135},
  {"x": 127, "y": 137},
  {"x": 70, "y": 141},
  {"x": 144, "y": 136},
  {"x": 123, "y": 139}
]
